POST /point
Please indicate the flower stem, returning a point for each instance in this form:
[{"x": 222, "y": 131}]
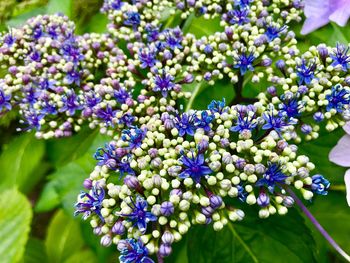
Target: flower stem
[
  {"x": 160, "y": 258},
  {"x": 318, "y": 226}
]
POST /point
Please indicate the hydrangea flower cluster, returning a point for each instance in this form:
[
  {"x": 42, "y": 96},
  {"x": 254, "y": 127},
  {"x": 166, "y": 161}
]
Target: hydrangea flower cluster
[
  {"x": 181, "y": 169},
  {"x": 165, "y": 168}
]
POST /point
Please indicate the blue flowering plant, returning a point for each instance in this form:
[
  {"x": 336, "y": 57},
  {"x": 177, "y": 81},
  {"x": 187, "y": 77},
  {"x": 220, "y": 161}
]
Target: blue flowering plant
[{"x": 170, "y": 165}]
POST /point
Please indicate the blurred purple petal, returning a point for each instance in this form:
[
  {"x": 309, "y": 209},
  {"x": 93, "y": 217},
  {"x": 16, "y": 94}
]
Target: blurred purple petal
[
  {"x": 319, "y": 12},
  {"x": 347, "y": 184},
  {"x": 313, "y": 23},
  {"x": 341, "y": 15},
  {"x": 346, "y": 127},
  {"x": 340, "y": 154}
]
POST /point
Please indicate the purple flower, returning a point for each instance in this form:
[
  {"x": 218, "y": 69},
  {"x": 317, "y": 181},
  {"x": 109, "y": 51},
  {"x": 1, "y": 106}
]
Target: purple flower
[
  {"x": 70, "y": 103},
  {"x": 127, "y": 119},
  {"x": 73, "y": 77},
  {"x": 4, "y": 100},
  {"x": 306, "y": 72},
  {"x": 173, "y": 38},
  {"x": 147, "y": 58},
  {"x": 244, "y": 123},
  {"x": 139, "y": 216},
  {"x": 244, "y": 62},
  {"x": 106, "y": 115},
  {"x": 32, "y": 120},
  {"x": 186, "y": 123},
  {"x": 134, "y": 137},
  {"x": 290, "y": 107},
  {"x": 164, "y": 83},
  {"x": 121, "y": 95},
  {"x": 217, "y": 106},
  {"x": 340, "y": 155},
  {"x": 237, "y": 16},
  {"x": 320, "y": 12},
  {"x": 194, "y": 167},
  {"x": 319, "y": 184},
  {"x": 276, "y": 123},
  {"x": 132, "y": 251},
  {"x": 90, "y": 202},
  {"x": 204, "y": 121},
  {"x": 340, "y": 57},
  {"x": 338, "y": 98},
  {"x": 132, "y": 19},
  {"x": 113, "y": 159},
  {"x": 272, "y": 176},
  {"x": 274, "y": 31}
]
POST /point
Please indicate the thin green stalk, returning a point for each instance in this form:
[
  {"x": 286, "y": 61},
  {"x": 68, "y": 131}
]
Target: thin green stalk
[
  {"x": 194, "y": 95},
  {"x": 245, "y": 246}
]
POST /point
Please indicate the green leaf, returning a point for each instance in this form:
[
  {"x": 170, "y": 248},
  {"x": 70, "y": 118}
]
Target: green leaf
[
  {"x": 20, "y": 161},
  {"x": 65, "y": 150},
  {"x": 35, "y": 251},
  {"x": 333, "y": 214},
  {"x": 203, "y": 94},
  {"x": 276, "y": 239},
  {"x": 97, "y": 24},
  {"x": 15, "y": 218},
  {"x": 200, "y": 26},
  {"x": 22, "y": 18},
  {"x": 63, "y": 238},
  {"x": 82, "y": 257},
  {"x": 60, "y": 6},
  {"x": 318, "y": 151},
  {"x": 49, "y": 198}
]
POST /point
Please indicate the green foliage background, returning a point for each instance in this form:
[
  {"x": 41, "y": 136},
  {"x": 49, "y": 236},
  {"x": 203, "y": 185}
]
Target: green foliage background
[{"x": 39, "y": 180}]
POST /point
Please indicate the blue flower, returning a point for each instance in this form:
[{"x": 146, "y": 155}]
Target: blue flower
[
  {"x": 139, "y": 216},
  {"x": 243, "y": 3},
  {"x": 152, "y": 32},
  {"x": 127, "y": 119},
  {"x": 121, "y": 95},
  {"x": 217, "y": 106},
  {"x": 32, "y": 120},
  {"x": 204, "y": 121},
  {"x": 71, "y": 51},
  {"x": 244, "y": 123},
  {"x": 116, "y": 4},
  {"x": 320, "y": 184},
  {"x": 341, "y": 57},
  {"x": 305, "y": 72},
  {"x": 147, "y": 58},
  {"x": 106, "y": 114},
  {"x": 272, "y": 176},
  {"x": 91, "y": 100},
  {"x": 108, "y": 156},
  {"x": 244, "y": 62},
  {"x": 90, "y": 203},
  {"x": 47, "y": 84},
  {"x": 186, "y": 123},
  {"x": 338, "y": 98},
  {"x": 70, "y": 103},
  {"x": 238, "y": 17},
  {"x": 173, "y": 38},
  {"x": 242, "y": 193},
  {"x": 4, "y": 100},
  {"x": 134, "y": 137},
  {"x": 276, "y": 123},
  {"x": 73, "y": 77},
  {"x": 9, "y": 39},
  {"x": 164, "y": 83},
  {"x": 132, "y": 251},
  {"x": 290, "y": 107},
  {"x": 273, "y": 31},
  {"x": 132, "y": 19},
  {"x": 194, "y": 167}
]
